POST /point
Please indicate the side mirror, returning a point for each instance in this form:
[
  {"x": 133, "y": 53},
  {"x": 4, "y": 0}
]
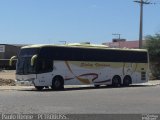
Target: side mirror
[
  {"x": 11, "y": 60},
  {"x": 34, "y": 57}
]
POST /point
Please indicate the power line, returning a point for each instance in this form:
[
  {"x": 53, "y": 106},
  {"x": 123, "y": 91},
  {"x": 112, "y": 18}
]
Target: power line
[
  {"x": 143, "y": 2},
  {"x": 146, "y": 2}
]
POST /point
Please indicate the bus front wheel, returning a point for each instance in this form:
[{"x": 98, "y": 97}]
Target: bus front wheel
[
  {"x": 57, "y": 83},
  {"x": 96, "y": 86},
  {"x": 39, "y": 87}
]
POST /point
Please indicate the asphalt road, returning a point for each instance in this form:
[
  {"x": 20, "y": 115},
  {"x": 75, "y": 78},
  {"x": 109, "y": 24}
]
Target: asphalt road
[{"x": 134, "y": 100}]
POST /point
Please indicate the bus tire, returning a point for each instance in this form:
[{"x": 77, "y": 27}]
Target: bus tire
[
  {"x": 96, "y": 86},
  {"x": 116, "y": 81},
  {"x": 57, "y": 83},
  {"x": 127, "y": 81},
  {"x": 39, "y": 88}
]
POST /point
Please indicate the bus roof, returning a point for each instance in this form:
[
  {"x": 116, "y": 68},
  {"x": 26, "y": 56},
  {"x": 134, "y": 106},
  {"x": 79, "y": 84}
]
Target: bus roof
[{"x": 78, "y": 45}]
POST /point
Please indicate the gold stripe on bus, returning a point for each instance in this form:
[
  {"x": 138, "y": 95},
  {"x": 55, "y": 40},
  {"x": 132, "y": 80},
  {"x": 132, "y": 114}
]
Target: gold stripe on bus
[{"x": 83, "y": 80}]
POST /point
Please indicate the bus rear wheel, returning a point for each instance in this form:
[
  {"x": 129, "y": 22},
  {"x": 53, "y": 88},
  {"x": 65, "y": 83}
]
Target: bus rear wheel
[
  {"x": 116, "y": 81},
  {"x": 39, "y": 88},
  {"x": 57, "y": 83},
  {"x": 127, "y": 81}
]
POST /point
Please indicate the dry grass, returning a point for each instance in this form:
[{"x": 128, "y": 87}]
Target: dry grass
[{"x": 7, "y": 78}]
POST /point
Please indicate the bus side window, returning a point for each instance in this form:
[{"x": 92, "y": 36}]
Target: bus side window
[{"x": 46, "y": 65}]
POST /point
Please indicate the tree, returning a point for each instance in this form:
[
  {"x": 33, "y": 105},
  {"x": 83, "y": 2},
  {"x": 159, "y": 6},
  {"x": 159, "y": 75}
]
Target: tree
[{"x": 153, "y": 46}]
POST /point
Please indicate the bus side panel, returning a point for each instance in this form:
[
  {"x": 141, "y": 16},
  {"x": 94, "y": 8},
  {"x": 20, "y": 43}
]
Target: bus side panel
[
  {"x": 98, "y": 73},
  {"x": 83, "y": 72},
  {"x": 44, "y": 79}
]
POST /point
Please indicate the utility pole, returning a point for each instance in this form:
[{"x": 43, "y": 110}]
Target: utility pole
[
  {"x": 65, "y": 42},
  {"x": 141, "y": 2},
  {"x": 119, "y": 35}
]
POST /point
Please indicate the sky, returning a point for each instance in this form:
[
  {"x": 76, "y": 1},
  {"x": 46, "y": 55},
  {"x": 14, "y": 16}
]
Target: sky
[{"x": 74, "y": 21}]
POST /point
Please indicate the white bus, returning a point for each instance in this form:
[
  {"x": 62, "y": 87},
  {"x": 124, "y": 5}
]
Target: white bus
[{"x": 58, "y": 65}]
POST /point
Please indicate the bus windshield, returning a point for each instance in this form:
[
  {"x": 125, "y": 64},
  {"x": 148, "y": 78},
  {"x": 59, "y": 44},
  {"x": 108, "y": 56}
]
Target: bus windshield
[
  {"x": 28, "y": 52},
  {"x": 24, "y": 61}
]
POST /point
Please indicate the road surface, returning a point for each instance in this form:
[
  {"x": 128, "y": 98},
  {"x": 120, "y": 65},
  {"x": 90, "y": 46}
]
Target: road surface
[{"x": 135, "y": 100}]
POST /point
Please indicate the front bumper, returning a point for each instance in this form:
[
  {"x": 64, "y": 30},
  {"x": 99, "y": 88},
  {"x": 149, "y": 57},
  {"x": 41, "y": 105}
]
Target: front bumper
[{"x": 25, "y": 82}]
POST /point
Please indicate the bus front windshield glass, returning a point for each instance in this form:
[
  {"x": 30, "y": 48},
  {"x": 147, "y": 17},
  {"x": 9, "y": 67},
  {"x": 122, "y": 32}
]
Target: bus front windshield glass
[{"x": 24, "y": 61}]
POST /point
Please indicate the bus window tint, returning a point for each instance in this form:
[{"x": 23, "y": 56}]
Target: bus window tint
[
  {"x": 28, "y": 52},
  {"x": 45, "y": 65}
]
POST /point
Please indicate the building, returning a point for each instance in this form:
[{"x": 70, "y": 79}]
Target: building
[
  {"x": 123, "y": 44},
  {"x": 6, "y": 52}
]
